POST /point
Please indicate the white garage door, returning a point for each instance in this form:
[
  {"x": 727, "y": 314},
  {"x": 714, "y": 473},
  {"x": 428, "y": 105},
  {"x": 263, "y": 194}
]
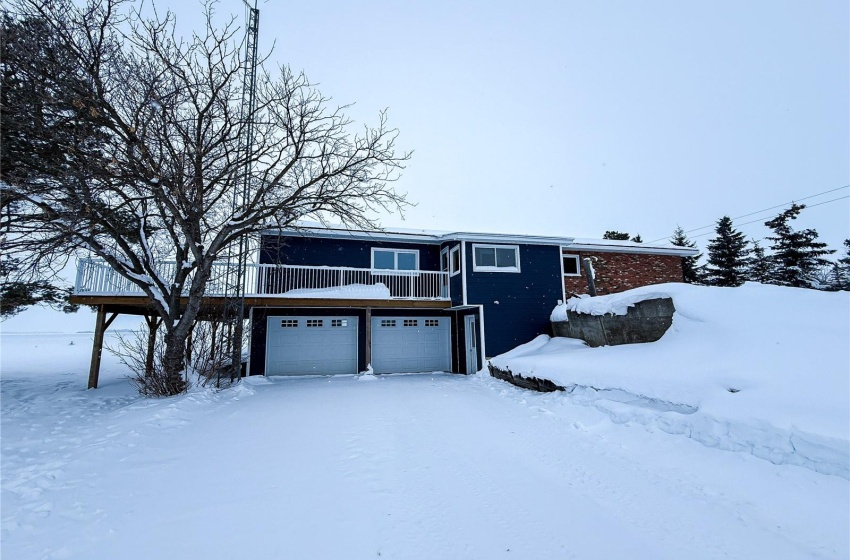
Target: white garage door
[
  {"x": 411, "y": 344},
  {"x": 308, "y": 345}
]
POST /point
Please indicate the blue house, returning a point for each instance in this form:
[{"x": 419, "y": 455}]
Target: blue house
[
  {"x": 325, "y": 300},
  {"x": 411, "y": 301}
]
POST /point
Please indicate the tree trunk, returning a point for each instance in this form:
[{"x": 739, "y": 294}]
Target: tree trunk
[
  {"x": 153, "y": 323},
  {"x": 173, "y": 361}
]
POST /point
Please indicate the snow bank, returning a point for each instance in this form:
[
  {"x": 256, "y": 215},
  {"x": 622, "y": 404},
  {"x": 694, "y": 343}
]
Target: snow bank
[
  {"x": 413, "y": 466},
  {"x": 763, "y": 369},
  {"x": 559, "y": 314},
  {"x": 615, "y": 304},
  {"x": 351, "y": 291}
]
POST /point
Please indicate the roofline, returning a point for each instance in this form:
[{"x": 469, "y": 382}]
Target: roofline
[
  {"x": 649, "y": 249},
  {"x": 442, "y": 237},
  {"x": 420, "y": 237},
  {"x": 355, "y": 234}
]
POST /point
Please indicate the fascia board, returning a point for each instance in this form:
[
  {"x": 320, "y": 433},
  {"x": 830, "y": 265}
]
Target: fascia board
[
  {"x": 676, "y": 252},
  {"x": 422, "y": 237}
]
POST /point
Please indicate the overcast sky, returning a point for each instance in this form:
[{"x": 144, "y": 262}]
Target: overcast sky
[{"x": 571, "y": 118}]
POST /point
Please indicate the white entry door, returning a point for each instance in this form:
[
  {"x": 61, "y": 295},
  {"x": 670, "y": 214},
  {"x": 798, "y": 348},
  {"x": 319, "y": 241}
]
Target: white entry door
[{"x": 471, "y": 338}]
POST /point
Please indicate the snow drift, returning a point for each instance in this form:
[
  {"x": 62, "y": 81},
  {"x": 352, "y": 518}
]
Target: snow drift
[{"x": 761, "y": 369}]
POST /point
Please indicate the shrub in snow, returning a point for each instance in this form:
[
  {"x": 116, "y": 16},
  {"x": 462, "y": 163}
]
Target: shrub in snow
[
  {"x": 143, "y": 356},
  {"x": 208, "y": 358}
]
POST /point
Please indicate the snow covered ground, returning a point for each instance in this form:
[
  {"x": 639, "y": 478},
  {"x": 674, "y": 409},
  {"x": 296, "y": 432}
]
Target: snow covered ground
[
  {"x": 405, "y": 466},
  {"x": 758, "y": 369}
]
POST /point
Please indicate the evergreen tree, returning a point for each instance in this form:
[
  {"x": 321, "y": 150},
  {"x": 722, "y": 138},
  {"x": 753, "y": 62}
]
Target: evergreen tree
[
  {"x": 28, "y": 107},
  {"x": 637, "y": 239},
  {"x": 728, "y": 256},
  {"x": 690, "y": 266},
  {"x": 840, "y": 275},
  {"x": 796, "y": 254},
  {"x": 759, "y": 269},
  {"x": 616, "y": 235}
]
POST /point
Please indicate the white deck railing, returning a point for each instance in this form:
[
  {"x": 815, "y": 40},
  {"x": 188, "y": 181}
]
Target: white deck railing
[{"x": 95, "y": 277}]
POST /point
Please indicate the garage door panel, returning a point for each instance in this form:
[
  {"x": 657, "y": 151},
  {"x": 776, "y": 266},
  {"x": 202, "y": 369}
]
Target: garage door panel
[
  {"x": 411, "y": 344},
  {"x": 306, "y": 345}
]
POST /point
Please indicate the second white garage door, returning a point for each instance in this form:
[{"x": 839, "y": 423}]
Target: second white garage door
[
  {"x": 411, "y": 344},
  {"x": 306, "y": 345}
]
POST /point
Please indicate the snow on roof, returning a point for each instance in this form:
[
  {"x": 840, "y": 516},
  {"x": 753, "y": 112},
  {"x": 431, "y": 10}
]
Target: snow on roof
[
  {"x": 615, "y": 245},
  {"x": 437, "y": 236}
]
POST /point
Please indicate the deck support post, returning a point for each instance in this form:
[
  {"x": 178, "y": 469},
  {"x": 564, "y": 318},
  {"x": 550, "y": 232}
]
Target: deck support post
[
  {"x": 101, "y": 325},
  {"x": 368, "y": 351}
]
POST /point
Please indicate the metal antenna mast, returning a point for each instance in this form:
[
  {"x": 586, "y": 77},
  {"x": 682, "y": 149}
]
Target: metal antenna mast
[{"x": 235, "y": 303}]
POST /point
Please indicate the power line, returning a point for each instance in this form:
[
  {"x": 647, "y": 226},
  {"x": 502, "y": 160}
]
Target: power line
[
  {"x": 761, "y": 219},
  {"x": 765, "y": 210}
]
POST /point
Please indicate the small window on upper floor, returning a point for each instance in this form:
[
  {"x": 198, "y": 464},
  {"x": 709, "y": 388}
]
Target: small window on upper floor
[
  {"x": 495, "y": 258},
  {"x": 395, "y": 259},
  {"x": 571, "y": 265},
  {"x": 444, "y": 260},
  {"x": 454, "y": 260}
]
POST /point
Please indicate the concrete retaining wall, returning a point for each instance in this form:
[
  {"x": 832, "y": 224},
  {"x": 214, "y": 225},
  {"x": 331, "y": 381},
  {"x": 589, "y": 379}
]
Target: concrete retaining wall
[{"x": 646, "y": 321}]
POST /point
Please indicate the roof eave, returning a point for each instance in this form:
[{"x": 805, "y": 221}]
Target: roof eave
[
  {"x": 419, "y": 237},
  {"x": 649, "y": 250}
]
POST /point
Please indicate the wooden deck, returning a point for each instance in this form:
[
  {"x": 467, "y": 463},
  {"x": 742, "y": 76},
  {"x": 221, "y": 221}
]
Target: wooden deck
[{"x": 141, "y": 305}]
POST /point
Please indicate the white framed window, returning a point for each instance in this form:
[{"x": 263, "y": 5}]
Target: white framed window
[
  {"x": 454, "y": 260},
  {"x": 395, "y": 259},
  {"x": 444, "y": 260},
  {"x": 572, "y": 265},
  {"x": 495, "y": 258}
]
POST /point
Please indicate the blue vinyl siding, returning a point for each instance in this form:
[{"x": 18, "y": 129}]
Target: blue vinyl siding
[
  {"x": 456, "y": 281},
  {"x": 354, "y": 253},
  {"x": 525, "y": 299}
]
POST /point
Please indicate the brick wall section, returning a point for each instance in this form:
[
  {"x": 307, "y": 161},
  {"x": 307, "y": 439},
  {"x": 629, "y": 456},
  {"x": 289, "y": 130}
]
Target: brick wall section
[{"x": 617, "y": 272}]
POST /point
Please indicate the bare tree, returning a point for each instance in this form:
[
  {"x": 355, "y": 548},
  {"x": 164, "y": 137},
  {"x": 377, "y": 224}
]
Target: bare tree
[{"x": 145, "y": 135}]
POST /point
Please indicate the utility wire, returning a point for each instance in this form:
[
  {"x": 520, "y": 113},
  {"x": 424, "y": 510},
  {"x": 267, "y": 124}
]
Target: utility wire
[
  {"x": 760, "y": 219},
  {"x": 765, "y": 210}
]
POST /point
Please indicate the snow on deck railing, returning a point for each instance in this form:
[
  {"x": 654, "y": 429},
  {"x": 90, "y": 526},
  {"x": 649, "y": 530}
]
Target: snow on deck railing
[{"x": 95, "y": 277}]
